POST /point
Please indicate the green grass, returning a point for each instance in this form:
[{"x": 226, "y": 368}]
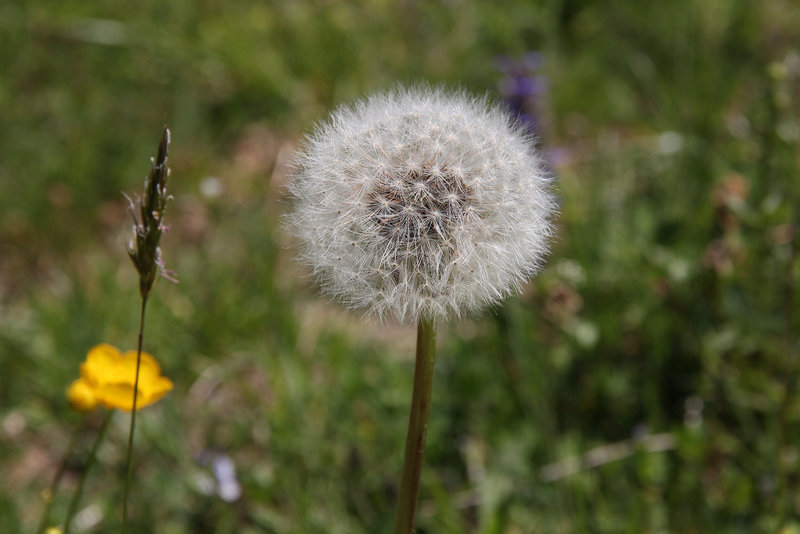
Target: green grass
[{"x": 668, "y": 303}]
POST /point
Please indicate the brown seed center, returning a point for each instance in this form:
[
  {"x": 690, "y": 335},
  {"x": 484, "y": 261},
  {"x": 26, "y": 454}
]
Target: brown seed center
[{"x": 424, "y": 205}]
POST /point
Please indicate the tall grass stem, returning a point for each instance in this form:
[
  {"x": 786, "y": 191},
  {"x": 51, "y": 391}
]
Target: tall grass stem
[{"x": 128, "y": 461}]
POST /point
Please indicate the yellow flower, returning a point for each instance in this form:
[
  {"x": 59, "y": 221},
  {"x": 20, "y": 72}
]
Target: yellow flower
[
  {"x": 108, "y": 377},
  {"x": 81, "y": 396}
]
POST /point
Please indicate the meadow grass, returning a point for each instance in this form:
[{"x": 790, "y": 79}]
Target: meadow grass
[{"x": 645, "y": 382}]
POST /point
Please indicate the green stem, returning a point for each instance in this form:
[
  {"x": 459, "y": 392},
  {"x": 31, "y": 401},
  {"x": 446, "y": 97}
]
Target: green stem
[
  {"x": 50, "y": 492},
  {"x": 73, "y": 505},
  {"x": 790, "y": 382},
  {"x": 128, "y": 461},
  {"x": 417, "y": 427}
]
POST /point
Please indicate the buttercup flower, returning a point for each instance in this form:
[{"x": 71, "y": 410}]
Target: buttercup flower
[
  {"x": 421, "y": 204},
  {"x": 81, "y": 396},
  {"x": 107, "y": 378}
]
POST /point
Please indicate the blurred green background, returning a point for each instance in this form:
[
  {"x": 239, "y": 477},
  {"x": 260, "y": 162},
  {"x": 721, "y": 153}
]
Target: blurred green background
[{"x": 645, "y": 382}]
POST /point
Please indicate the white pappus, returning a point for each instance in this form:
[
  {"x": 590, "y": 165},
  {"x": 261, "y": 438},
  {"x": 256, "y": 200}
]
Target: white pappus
[{"x": 421, "y": 203}]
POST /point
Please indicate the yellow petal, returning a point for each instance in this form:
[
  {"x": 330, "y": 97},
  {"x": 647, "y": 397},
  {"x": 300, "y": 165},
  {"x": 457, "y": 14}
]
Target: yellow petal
[
  {"x": 149, "y": 369},
  {"x": 101, "y": 364},
  {"x": 121, "y": 395},
  {"x": 118, "y": 396},
  {"x": 81, "y": 396},
  {"x": 156, "y": 390}
]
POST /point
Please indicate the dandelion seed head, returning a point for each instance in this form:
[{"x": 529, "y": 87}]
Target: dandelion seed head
[{"x": 421, "y": 203}]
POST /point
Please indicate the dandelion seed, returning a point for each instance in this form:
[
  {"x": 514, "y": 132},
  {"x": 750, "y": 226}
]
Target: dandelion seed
[
  {"x": 452, "y": 202},
  {"x": 436, "y": 206}
]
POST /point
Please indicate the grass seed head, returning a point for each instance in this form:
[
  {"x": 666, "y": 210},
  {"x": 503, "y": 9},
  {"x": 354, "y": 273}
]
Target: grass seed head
[{"x": 148, "y": 225}]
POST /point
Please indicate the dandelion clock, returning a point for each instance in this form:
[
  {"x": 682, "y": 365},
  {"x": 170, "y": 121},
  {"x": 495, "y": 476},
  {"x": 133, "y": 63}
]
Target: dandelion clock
[{"x": 420, "y": 205}]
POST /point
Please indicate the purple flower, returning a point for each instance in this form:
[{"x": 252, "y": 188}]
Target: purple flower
[
  {"x": 227, "y": 486},
  {"x": 522, "y": 88}
]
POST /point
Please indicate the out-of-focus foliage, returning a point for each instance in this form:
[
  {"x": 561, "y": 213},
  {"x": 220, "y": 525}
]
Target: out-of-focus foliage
[{"x": 645, "y": 382}]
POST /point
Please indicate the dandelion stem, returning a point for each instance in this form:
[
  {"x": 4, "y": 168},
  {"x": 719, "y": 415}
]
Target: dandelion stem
[
  {"x": 128, "y": 461},
  {"x": 50, "y": 492},
  {"x": 417, "y": 427},
  {"x": 73, "y": 505}
]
